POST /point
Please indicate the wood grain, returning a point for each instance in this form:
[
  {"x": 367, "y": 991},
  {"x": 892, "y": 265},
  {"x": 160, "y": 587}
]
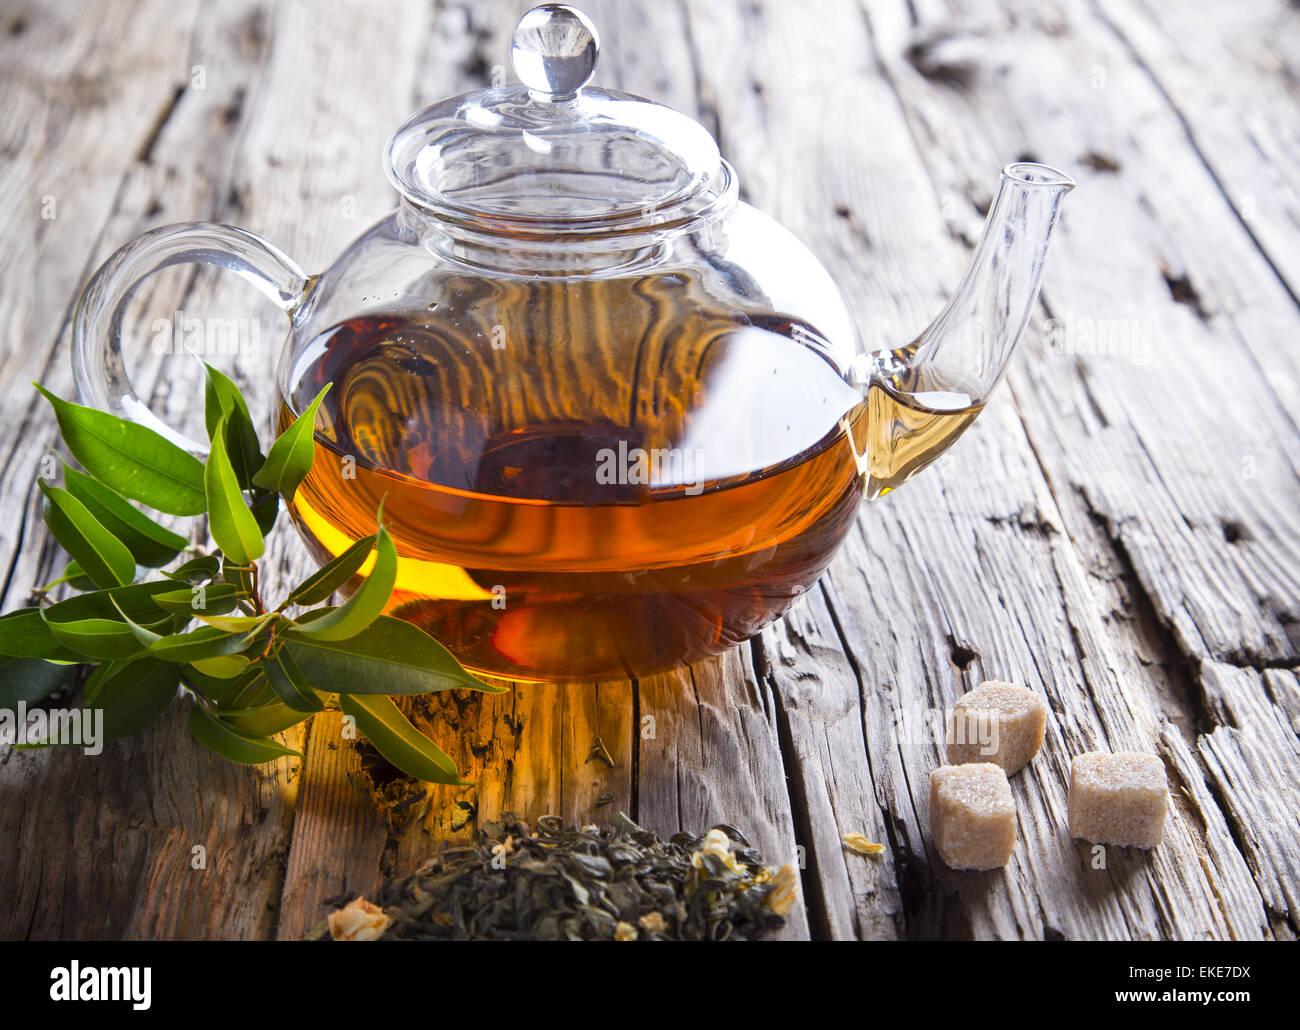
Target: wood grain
[{"x": 1118, "y": 530}]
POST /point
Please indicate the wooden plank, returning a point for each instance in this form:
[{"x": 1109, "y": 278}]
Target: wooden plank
[
  {"x": 710, "y": 754},
  {"x": 147, "y": 802},
  {"x": 76, "y": 116},
  {"x": 1253, "y": 758},
  {"x": 338, "y": 833},
  {"x": 818, "y": 700},
  {"x": 1243, "y": 124},
  {"x": 71, "y": 820},
  {"x": 1154, "y": 496}
]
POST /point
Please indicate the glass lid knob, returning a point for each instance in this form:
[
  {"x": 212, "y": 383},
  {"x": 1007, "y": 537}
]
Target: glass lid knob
[{"x": 554, "y": 50}]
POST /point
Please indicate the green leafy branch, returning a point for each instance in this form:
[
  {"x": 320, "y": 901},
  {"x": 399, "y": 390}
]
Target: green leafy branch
[{"x": 201, "y": 627}]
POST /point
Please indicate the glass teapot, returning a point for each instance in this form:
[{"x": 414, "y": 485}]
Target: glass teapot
[{"x": 618, "y": 419}]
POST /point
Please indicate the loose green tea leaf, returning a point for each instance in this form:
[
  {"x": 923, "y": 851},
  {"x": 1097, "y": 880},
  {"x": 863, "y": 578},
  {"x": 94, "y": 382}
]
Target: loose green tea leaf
[
  {"x": 290, "y": 684},
  {"x": 291, "y": 455},
  {"x": 227, "y": 742},
  {"x": 198, "y": 644},
  {"x": 130, "y": 458},
  {"x": 149, "y": 543},
  {"x": 398, "y": 740},
  {"x": 103, "y": 557},
  {"x": 321, "y": 584},
  {"x": 550, "y": 881},
  {"x": 29, "y": 680},
  {"x": 222, "y": 400},
  {"x": 230, "y": 522},
  {"x": 363, "y": 607},
  {"x": 135, "y": 695},
  {"x": 388, "y": 657},
  {"x": 24, "y": 634}
]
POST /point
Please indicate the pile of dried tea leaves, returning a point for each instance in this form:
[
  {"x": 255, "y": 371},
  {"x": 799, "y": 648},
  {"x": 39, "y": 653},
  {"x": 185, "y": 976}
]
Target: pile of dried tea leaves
[{"x": 554, "y": 882}]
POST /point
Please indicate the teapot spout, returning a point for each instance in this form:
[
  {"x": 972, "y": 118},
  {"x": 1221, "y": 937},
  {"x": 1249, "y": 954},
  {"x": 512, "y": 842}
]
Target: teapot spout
[
  {"x": 928, "y": 392},
  {"x": 968, "y": 346}
]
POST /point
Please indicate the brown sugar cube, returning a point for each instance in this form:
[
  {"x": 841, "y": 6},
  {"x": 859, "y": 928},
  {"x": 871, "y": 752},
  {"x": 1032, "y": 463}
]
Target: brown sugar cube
[
  {"x": 1118, "y": 799},
  {"x": 972, "y": 816},
  {"x": 999, "y": 723}
]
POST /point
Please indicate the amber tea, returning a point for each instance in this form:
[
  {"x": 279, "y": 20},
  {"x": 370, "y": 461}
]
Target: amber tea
[{"x": 596, "y": 478}]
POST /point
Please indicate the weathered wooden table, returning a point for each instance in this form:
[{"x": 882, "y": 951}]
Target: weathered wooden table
[{"x": 1121, "y": 530}]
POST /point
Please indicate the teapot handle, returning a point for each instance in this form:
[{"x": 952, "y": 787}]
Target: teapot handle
[{"x": 97, "y": 322}]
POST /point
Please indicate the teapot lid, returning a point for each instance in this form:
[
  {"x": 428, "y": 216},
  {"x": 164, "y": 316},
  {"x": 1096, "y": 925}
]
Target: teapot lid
[{"x": 554, "y": 157}]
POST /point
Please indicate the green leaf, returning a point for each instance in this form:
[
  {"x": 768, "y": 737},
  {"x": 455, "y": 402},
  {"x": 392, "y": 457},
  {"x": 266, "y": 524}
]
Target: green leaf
[
  {"x": 211, "y": 732},
  {"x": 328, "y": 578},
  {"x": 96, "y": 679},
  {"x": 196, "y": 570},
  {"x": 149, "y": 543},
  {"x": 73, "y": 576},
  {"x": 398, "y": 740},
  {"x": 29, "y": 680},
  {"x": 236, "y": 623},
  {"x": 265, "y": 506},
  {"x": 24, "y": 634},
  {"x": 289, "y": 683},
  {"x": 130, "y": 458},
  {"x": 100, "y": 554},
  {"x": 240, "y": 576},
  {"x": 201, "y": 599},
  {"x": 246, "y": 691},
  {"x": 135, "y": 695},
  {"x": 98, "y": 638},
  {"x": 248, "y": 704},
  {"x": 146, "y": 637},
  {"x": 230, "y": 522},
  {"x": 222, "y": 399},
  {"x": 365, "y": 606},
  {"x": 198, "y": 644},
  {"x": 265, "y": 720},
  {"x": 388, "y": 657},
  {"x": 222, "y": 667},
  {"x": 292, "y": 454},
  {"x": 91, "y": 624}
]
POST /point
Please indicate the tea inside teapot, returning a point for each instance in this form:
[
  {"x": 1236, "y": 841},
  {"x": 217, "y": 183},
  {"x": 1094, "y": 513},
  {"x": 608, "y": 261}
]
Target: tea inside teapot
[{"x": 595, "y": 477}]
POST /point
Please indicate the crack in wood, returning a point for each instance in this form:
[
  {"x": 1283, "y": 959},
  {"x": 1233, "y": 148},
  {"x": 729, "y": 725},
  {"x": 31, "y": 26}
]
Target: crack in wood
[
  {"x": 144, "y": 153},
  {"x": 1194, "y": 144}
]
